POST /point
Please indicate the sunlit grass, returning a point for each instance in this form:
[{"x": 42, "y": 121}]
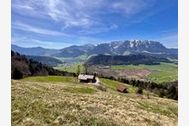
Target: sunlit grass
[
  {"x": 164, "y": 72},
  {"x": 86, "y": 90},
  {"x": 55, "y": 101},
  {"x": 52, "y": 79},
  {"x": 111, "y": 84}
]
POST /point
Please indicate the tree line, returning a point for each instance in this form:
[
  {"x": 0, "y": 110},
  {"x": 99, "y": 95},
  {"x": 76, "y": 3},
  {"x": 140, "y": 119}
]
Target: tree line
[
  {"x": 22, "y": 67},
  {"x": 166, "y": 89}
]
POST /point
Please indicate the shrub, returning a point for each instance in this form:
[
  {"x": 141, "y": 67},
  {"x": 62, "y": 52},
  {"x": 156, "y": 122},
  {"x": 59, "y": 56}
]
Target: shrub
[
  {"x": 140, "y": 91},
  {"x": 17, "y": 74}
]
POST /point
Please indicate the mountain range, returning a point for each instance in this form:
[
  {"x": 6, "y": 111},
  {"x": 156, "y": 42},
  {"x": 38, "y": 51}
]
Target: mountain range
[{"x": 112, "y": 48}]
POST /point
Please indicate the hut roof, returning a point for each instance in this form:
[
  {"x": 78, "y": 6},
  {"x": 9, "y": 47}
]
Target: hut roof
[
  {"x": 121, "y": 88},
  {"x": 85, "y": 77}
]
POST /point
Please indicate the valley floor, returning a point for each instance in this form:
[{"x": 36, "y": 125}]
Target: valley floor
[
  {"x": 164, "y": 72},
  {"x": 58, "y": 101}
]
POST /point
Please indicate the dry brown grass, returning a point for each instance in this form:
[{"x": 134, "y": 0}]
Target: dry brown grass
[{"x": 43, "y": 103}]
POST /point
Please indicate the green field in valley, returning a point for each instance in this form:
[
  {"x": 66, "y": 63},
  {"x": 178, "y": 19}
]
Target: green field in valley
[
  {"x": 57, "y": 100},
  {"x": 72, "y": 67},
  {"x": 164, "y": 72}
]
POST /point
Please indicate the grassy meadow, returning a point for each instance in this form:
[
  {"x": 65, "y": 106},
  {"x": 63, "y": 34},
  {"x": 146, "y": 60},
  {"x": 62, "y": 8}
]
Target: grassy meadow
[
  {"x": 112, "y": 86},
  {"x": 164, "y": 72},
  {"x": 57, "y": 100},
  {"x": 72, "y": 67}
]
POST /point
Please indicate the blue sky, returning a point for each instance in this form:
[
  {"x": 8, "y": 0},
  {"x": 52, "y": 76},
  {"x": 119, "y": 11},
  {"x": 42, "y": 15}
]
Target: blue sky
[{"x": 61, "y": 23}]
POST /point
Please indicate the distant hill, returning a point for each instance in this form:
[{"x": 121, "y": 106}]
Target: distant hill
[
  {"x": 125, "y": 60},
  {"x": 35, "y": 51},
  {"x": 75, "y": 51},
  {"x": 23, "y": 67},
  {"x": 50, "y": 61},
  {"x": 112, "y": 48}
]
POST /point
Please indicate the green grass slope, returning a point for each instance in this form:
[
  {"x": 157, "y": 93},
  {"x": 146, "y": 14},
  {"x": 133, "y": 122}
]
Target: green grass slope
[
  {"x": 164, "y": 72},
  {"x": 112, "y": 86},
  {"x": 57, "y": 101}
]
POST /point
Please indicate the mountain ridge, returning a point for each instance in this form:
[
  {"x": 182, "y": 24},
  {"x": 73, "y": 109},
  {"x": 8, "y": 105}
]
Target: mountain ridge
[
  {"x": 34, "y": 51},
  {"x": 112, "y": 48}
]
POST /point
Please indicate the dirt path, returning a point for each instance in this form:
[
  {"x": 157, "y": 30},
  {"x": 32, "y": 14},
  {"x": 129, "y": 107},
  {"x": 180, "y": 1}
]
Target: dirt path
[{"x": 97, "y": 82}]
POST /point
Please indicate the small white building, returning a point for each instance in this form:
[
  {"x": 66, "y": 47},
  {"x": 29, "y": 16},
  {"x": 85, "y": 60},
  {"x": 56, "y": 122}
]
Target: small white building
[{"x": 87, "y": 78}]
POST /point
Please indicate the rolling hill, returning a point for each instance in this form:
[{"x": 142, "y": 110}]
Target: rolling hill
[
  {"x": 47, "y": 60},
  {"x": 75, "y": 51}
]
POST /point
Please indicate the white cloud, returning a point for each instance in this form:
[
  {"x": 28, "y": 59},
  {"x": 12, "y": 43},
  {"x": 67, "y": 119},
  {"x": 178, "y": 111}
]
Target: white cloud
[
  {"x": 23, "y": 7},
  {"x": 96, "y": 30},
  {"x": 113, "y": 26},
  {"x": 81, "y": 14},
  {"x": 70, "y": 13},
  {"x": 131, "y": 7},
  {"x": 29, "y": 28},
  {"x": 30, "y": 42},
  {"x": 32, "y": 8}
]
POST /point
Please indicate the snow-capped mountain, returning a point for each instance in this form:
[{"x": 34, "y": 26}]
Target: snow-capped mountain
[{"x": 128, "y": 47}]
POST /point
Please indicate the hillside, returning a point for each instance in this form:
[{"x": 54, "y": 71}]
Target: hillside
[
  {"x": 75, "y": 104},
  {"x": 49, "y": 61},
  {"x": 125, "y": 60},
  {"x": 75, "y": 51},
  {"x": 23, "y": 67}
]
